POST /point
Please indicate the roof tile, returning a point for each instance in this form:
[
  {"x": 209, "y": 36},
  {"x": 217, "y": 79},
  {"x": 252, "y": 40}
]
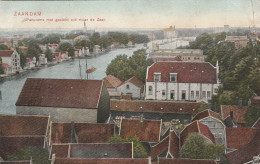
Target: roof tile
[{"x": 238, "y": 113}]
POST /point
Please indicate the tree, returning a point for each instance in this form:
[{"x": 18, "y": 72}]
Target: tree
[
  {"x": 202, "y": 106},
  {"x": 252, "y": 114},
  {"x": 22, "y": 57},
  {"x": 196, "y": 147},
  {"x": 33, "y": 49},
  {"x": 124, "y": 68},
  {"x": 1, "y": 67},
  {"x": 3, "y": 47},
  {"x": 38, "y": 155},
  {"x": 48, "y": 54},
  {"x": 139, "y": 150},
  {"x": 66, "y": 47}
]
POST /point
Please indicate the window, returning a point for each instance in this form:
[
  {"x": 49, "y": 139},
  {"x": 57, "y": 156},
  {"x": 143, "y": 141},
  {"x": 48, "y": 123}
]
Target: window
[
  {"x": 150, "y": 90},
  {"x": 197, "y": 94},
  {"x": 157, "y": 77},
  {"x": 172, "y": 94},
  {"x": 208, "y": 95},
  {"x": 203, "y": 94},
  {"x": 183, "y": 94},
  {"x": 127, "y": 86},
  {"x": 173, "y": 77},
  {"x": 192, "y": 94},
  {"x": 163, "y": 93}
]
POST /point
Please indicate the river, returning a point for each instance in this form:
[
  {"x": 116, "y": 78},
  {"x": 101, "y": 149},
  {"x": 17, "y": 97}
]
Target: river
[{"x": 67, "y": 70}]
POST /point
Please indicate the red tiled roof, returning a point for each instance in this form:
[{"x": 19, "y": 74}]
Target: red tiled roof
[
  {"x": 239, "y": 136},
  {"x": 255, "y": 100},
  {"x": 16, "y": 162},
  {"x": 102, "y": 161},
  {"x": 147, "y": 130},
  {"x": 170, "y": 144},
  {"x": 8, "y": 145},
  {"x": 187, "y": 72},
  {"x": 134, "y": 80},
  {"x": 153, "y": 106},
  {"x": 160, "y": 58},
  {"x": 85, "y": 132},
  {"x": 257, "y": 123},
  {"x": 196, "y": 127},
  {"x": 206, "y": 113},
  {"x": 56, "y": 54},
  {"x": 186, "y": 161},
  {"x": 15, "y": 125},
  {"x": 67, "y": 93},
  {"x": 247, "y": 152},
  {"x": 111, "y": 81},
  {"x": 4, "y": 65},
  {"x": 238, "y": 114},
  {"x": 6, "y": 53},
  {"x": 93, "y": 150}
]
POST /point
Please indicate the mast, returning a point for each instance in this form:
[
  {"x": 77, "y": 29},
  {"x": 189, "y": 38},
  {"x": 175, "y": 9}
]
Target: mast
[
  {"x": 80, "y": 70},
  {"x": 87, "y": 67}
]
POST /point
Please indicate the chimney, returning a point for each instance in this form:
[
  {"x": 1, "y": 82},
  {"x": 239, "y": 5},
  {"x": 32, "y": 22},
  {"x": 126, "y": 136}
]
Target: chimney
[
  {"x": 53, "y": 159},
  {"x": 240, "y": 101},
  {"x": 73, "y": 137},
  {"x": 141, "y": 118},
  {"x": 231, "y": 114}
]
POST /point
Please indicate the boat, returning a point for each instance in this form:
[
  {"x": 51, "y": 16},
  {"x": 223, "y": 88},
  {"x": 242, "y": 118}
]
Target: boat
[{"x": 90, "y": 70}]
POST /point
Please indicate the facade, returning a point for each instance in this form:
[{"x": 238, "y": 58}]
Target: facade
[
  {"x": 190, "y": 55},
  {"x": 239, "y": 41},
  {"x": 42, "y": 59},
  {"x": 65, "y": 100},
  {"x": 214, "y": 123},
  {"x": 12, "y": 61},
  {"x": 184, "y": 81},
  {"x": 132, "y": 87},
  {"x": 31, "y": 63}
]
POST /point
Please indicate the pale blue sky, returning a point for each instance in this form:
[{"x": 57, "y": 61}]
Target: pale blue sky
[{"x": 133, "y": 13}]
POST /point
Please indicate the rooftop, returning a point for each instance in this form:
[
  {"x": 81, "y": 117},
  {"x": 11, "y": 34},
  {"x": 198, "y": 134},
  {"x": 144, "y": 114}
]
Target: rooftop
[
  {"x": 6, "y": 53},
  {"x": 66, "y": 93},
  {"x": 134, "y": 80},
  {"x": 102, "y": 161},
  {"x": 186, "y": 161},
  {"x": 111, "y": 81},
  {"x": 206, "y": 113},
  {"x": 238, "y": 113}
]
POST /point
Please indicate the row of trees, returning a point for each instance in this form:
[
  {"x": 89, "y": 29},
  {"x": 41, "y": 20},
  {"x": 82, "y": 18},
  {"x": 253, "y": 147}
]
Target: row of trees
[
  {"x": 239, "y": 68},
  {"x": 124, "y": 68}
]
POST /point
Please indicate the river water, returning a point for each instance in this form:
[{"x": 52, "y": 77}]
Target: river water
[{"x": 68, "y": 70}]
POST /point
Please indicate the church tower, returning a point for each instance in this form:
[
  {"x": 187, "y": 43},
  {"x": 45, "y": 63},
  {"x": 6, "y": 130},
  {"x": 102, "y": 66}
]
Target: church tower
[{"x": 85, "y": 28}]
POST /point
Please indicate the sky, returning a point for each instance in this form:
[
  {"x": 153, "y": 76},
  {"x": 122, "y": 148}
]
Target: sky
[{"x": 131, "y": 13}]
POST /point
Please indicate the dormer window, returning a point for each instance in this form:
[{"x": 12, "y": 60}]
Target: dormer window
[
  {"x": 173, "y": 77},
  {"x": 157, "y": 77}
]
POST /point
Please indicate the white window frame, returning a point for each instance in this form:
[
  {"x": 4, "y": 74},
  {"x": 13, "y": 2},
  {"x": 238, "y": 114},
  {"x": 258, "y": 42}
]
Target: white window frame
[
  {"x": 173, "y": 75},
  {"x": 192, "y": 94},
  {"x": 150, "y": 90},
  {"x": 157, "y": 74}
]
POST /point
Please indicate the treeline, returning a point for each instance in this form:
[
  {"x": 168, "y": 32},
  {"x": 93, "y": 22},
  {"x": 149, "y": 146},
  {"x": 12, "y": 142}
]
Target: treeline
[{"x": 239, "y": 68}]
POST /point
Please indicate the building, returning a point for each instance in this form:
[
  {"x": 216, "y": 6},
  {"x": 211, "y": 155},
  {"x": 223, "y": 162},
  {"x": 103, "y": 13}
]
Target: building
[
  {"x": 236, "y": 112},
  {"x": 145, "y": 130},
  {"x": 42, "y": 59},
  {"x": 65, "y": 100},
  {"x": 191, "y": 55},
  {"x": 239, "y": 41},
  {"x": 92, "y": 150},
  {"x": 57, "y": 57},
  {"x": 196, "y": 127},
  {"x": 11, "y": 61},
  {"x": 19, "y": 131},
  {"x": 192, "y": 81},
  {"x": 112, "y": 83},
  {"x": 132, "y": 87},
  {"x": 81, "y": 132},
  {"x": 239, "y": 136},
  {"x": 153, "y": 110},
  {"x": 214, "y": 123},
  {"x": 186, "y": 161},
  {"x": 31, "y": 63},
  {"x": 169, "y": 32},
  {"x": 167, "y": 147}
]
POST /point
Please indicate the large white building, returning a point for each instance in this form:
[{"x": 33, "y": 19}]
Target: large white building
[
  {"x": 10, "y": 61},
  {"x": 192, "y": 81}
]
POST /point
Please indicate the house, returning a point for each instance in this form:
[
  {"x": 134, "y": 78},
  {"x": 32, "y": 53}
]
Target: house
[
  {"x": 132, "y": 87},
  {"x": 153, "y": 110},
  {"x": 83, "y": 51},
  {"x": 96, "y": 49},
  {"x": 239, "y": 136},
  {"x": 246, "y": 153},
  {"x": 167, "y": 147},
  {"x": 65, "y": 100},
  {"x": 81, "y": 132},
  {"x": 214, "y": 123},
  {"x": 186, "y": 161},
  {"x": 18, "y": 131},
  {"x": 92, "y": 150},
  {"x": 192, "y": 81},
  {"x": 190, "y": 55},
  {"x": 31, "y": 62},
  {"x": 102, "y": 161},
  {"x": 57, "y": 57},
  {"x": 145, "y": 130},
  {"x": 53, "y": 47},
  {"x": 196, "y": 127},
  {"x": 42, "y": 59},
  {"x": 236, "y": 112},
  {"x": 11, "y": 61},
  {"x": 239, "y": 41},
  {"x": 112, "y": 83},
  {"x": 64, "y": 55}
]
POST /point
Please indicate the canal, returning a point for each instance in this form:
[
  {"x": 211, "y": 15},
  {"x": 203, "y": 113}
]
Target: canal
[{"x": 12, "y": 87}]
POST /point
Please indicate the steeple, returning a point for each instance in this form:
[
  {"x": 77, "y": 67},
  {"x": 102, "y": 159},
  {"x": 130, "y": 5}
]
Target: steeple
[{"x": 85, "y": 27}]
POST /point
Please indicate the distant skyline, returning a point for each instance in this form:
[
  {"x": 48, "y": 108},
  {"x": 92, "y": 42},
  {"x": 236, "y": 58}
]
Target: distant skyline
[{"x": 132, "y": 13}]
